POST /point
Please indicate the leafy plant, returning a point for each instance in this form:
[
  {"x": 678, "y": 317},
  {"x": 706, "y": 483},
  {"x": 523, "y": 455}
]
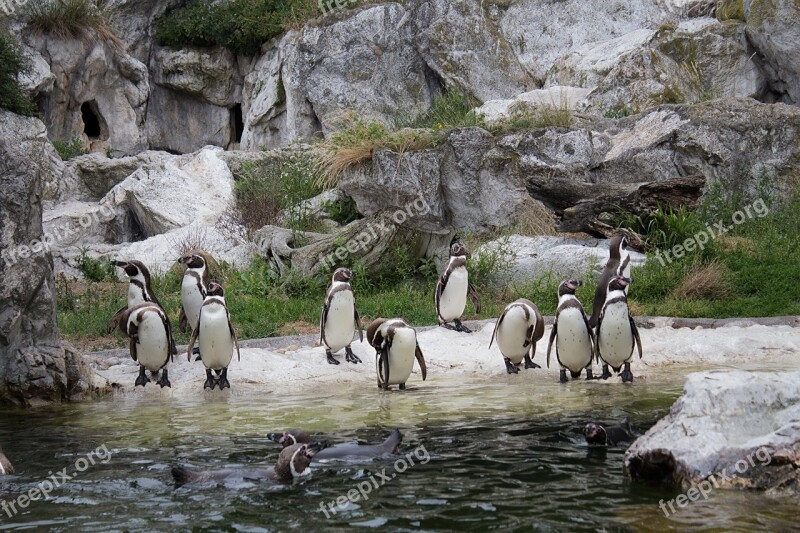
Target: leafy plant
[
  {"x": 13, "y": 63},
  {"x": 69, "y": 149},
  {"x": 342, "y": 210},
  {"x": 95, "y": 270},
  {"x": 452, "y": 109}
]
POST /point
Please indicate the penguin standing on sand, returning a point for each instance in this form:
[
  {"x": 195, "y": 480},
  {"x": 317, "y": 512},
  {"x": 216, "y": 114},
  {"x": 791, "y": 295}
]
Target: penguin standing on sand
[
  {"x": 150, "y": 340},
  {"x": 193, "y": 290},
  {"x": 572, "y": 334},
  {"x": 396, "y": 347},
  {"x": 618, "y": 264},
  {"x": 139, "y": 292},
  {"x": 217, "y": 338},
  {"x": 518, "y": 330},
  {"x": 340, "y": 318},
  {"x": 452, "y": 290},
  {"x": 616, "y": 331}
]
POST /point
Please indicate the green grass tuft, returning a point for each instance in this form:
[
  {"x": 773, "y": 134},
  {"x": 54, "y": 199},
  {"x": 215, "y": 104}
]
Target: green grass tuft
[
  {"x": 13, "y": 63},
  {"x": 69, "y": 149}
]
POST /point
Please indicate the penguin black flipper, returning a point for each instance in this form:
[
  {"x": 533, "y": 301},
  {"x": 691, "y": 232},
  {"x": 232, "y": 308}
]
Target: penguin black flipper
[
  {"x": 552, "y": 338},
  {"x": 496, "y": 327},
  {"x": 441, "y": 283},
  {"x": 133, "y": 333},
  {"x": 117, "y": 322},
  {"x": 636, "y": 336},
  {"x": 183, "y": 322},
  {"x": 385, "y": 362},
  {"x": 171, "y": 348},
  {"x": 193, "y": 338},
  {"x": 322, "y": 319},
  {"x": 358, "y": 324},
  {"x": 473, "y": 295},
  {"x": 421, "y": 360},
  {"x": 234, "y": 336}
]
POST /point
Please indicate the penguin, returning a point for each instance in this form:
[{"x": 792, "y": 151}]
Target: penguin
[
  {"x": 344, "y": 451},
  {"x": 139, "y": 291},
  {"x": 6, "y": 469},
  {"x": 618, "y": 264},
  {"x": 193, "y": 290},
  {"x": 150, "y": 339},
  {"x": 340, "y": 318},
  {"x": 608, "y": 436},
  {"x": 616, "y": 331},
  {"x": 396, "y": 347},
  {"x": 452, "y": 290},
  {"x": 293, "y": 464},
  {"x": 518, "y": 330},
  {"x": 217, "y": 337},
  {"x": 572, "y": 334}
]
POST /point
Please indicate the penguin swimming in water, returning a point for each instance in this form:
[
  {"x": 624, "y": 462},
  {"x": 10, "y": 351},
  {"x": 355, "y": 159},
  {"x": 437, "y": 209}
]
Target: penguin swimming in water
[
  {"x": 346, "y": 451},
  {"x": 616, "y": 331},
  {"x": 572, "y": 334},
  {"x": 193, "y": 290},
  {"x": 150, "y": 341},
  {"x": 139, "y": 291},
  {"x": 518, "y": 330},
  {"x": 396, "y": 347},
  {"x": 6, "y": 469},
  {"x": 618, "y": 264},
  {"x": 608, "y": 435},
  {"x": 217, "y": 337},
  {"x": 340, "y": 318},
  {"x": 452, "y": 290},
  {"x": 293, "y": 464}
]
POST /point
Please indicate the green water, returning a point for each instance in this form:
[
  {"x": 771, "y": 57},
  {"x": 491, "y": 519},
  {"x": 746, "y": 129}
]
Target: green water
[{"x": 501, "y": 455}]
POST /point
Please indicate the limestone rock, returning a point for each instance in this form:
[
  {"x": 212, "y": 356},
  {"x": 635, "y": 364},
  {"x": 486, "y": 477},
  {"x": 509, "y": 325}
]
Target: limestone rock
[
  {"x": 556, "y": 97},
  {"x": 211, "y": 74},
  {"x": 731, "y": 428},
  {"x": 773, "y": 28}
]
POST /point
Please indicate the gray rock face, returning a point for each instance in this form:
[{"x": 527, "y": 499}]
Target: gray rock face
[
  {"x": 33, "y": 364},
  {"x": 133, "y": 22},
  {"x": 212, "y": 75},
  {"x": 730, "y": 429},
  {"x": 101, "y": 77},
  {"x": 773, "y": 28}
]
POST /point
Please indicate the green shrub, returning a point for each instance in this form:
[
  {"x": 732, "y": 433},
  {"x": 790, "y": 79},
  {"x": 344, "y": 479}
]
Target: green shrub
[
  {"x": 342, "y": 210},
  {"x": 69, "y": 149},
  {"x": 453, "y": 109},
  {"x": 12, "y": 63},
  {"x": 94, "y": 270}
]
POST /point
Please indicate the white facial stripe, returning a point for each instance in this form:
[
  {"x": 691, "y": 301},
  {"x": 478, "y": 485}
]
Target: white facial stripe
[
  {"x": 295, "y": 473},
  {"x": 294, "y": 440}
]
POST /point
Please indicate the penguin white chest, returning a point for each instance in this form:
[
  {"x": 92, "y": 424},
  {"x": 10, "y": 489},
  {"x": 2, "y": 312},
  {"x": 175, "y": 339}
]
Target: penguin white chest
[
  {"x": 401, "y": 356},
  {"x": 192, "y": 300},
  {"x": 152, "y": 349},
  {"x": 512, "y": 333},
  {"x": 340, "y": 325},
  {"x": 615, "y": 336},
  {"x": 453, "y": 300},
  {"x": 135, "y": 295},
  {"x": 215, "y": 340},
  {"x": 573, "y": 343}
]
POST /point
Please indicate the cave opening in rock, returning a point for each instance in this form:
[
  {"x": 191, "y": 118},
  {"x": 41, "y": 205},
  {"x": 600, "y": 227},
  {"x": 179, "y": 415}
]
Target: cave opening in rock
[
  {"x": 237, "y": 123},
  {"x": 91, "y": 121}
]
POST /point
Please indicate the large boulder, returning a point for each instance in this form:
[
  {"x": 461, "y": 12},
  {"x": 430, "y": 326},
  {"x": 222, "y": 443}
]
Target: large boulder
[
  {"x": 773, "y": 28},
  {"x": 33, "y": 365},
  {"x": 730, "y": 429},
  {"x": 133, "y": 21},
  {"x": 211, "y": 74}
]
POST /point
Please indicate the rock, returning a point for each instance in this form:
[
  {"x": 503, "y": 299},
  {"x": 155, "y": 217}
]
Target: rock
[
  {"x": 366, "y": 62},
  {"x": 527, "y": 259},
  {"x": 317, "y": 207},
  {"x": 37, "y": 79},
  {"x": 211, "y": 74},
  {"x": 463, "y": 43},
  {"x": 556, "y": 97},
  {"x": 99, "y": 93},
  {"x": 730, "y": 429},
  {"x": 33, "y": 364},
  {"x": 773, "y": 29},
  {"x": 133, "y": 22}
]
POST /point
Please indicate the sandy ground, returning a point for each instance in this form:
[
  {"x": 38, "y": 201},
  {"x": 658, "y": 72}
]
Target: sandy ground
[{"x": 297, "y": 363}]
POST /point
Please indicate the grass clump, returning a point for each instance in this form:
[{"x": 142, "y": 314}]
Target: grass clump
[
  {"x": 525, "y": 116},
  {"x": 452, "y": 109},
  {"x": 95, "y": 270},
  {"x": 13, "y": 63},
  {"x": 69, "y": 149},
  {"x": 69, "y": 19}
]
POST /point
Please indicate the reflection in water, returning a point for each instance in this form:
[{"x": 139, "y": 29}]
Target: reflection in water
[{"x": 502, "y": 455}]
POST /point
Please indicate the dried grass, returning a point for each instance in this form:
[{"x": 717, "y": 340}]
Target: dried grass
[
  {"x": 704, "y": 281},
  {"x": 533, "y": 219}
]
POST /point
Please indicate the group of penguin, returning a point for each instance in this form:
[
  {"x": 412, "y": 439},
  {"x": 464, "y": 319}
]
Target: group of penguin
[{"x": 609, "y": 335}]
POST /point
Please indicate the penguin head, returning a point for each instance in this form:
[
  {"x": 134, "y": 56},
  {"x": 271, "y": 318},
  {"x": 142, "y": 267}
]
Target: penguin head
[
  {"x": 135, "y": 270},
  {"x": 569, "y": 286},
  {"x": 290, "y": 437},
  {"x": 294, "y": 461},
  {"x": 457, "y": 250},
  {"x": 215, "y": 289},
  {"x": 193, "y": 261},
  {"x": 618, "y": 283},
  {"x": 618, "y": 244},
  {"x": 374, "y": 337},
  {"x": 595, "y": 433},
  {"x": 342, "y": 274}
]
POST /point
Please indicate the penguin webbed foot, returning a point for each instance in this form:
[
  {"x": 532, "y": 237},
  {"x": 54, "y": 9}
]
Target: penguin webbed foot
[
  {"x": 461, "y": 327},
  {"x": 445, "y": 325},
  {"x": 627, "y": 375},
  {"x": 562, "y": 377},
  {"x": 350, "y": 357},
  {"x": 223, "y": 382},
  {"x": 606, "y": 373},
  {"x": 142, "y": 379},
  {"x": 331, "y": 360},
  {"x": 402, "y": 386},
  {"x": 198, "y": 358},
  {"x": 164, "y": 381},
  {"x": 511, "y": 368},
  {"x": 210, "y": 381},
  {"x": 589, "y": 375},
  {"x": 529, "y": 363}
]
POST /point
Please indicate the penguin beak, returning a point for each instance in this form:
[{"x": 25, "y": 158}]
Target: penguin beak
[
  {"x": 314, "y": 448},
  {"x": 121, "y": 264},
  {"x": 275, "y": 437}
]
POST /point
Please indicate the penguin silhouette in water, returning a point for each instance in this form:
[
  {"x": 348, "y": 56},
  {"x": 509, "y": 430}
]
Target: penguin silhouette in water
[
  {"x": 452, "y": 289},
  {"x": 595, "y": 433},
  {"x": 346, "y": 451}
]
